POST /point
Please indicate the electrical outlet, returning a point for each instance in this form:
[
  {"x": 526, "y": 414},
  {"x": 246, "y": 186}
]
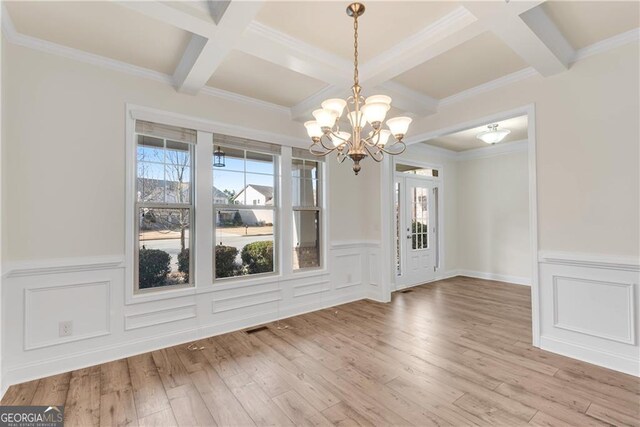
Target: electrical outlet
[{"x": 65, "y": 328}]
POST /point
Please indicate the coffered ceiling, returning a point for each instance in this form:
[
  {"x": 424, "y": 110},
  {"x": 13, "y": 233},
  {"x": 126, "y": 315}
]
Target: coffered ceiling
[
  {"x": 325, "y": 24},
  {"x": 485, "y": 55},
  {"x": 103, "y": 28},
  {"x": 291, "y": 55}
]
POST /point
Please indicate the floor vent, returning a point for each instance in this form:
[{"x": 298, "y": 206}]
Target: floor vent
[
  {"x": 254, "y": 330},
  {"x": 406, "y": 291}
]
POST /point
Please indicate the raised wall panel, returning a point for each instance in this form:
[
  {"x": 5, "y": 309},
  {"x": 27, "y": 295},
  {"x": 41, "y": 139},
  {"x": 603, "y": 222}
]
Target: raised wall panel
[
  {"x": 91, "y": 293},
  {"x": 589, "y": 310},
  {"x": 86, "y": 305},
  {"x": 599, "y": 308},
  {"x": 159, "y": 316},
  {"x": 347, "y": 269}
]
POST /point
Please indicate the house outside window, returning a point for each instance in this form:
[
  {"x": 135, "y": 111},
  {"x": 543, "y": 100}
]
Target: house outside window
[
  {"x": 245, "y": 223},
  {"x": 306, "y": 186},
  {"x": 164, "y": 205}
]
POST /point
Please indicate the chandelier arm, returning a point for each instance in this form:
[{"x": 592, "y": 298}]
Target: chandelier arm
[
  {"x": 375, "y": 155},
  {"x": 328, "y": 149},
  {"x": 394, "y": 153},
  {"x": 369, "y": 140}
]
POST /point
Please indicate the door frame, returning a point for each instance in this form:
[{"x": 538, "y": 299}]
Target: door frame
[
  {"x": 439, "y": 181},
  {"x": 530, "y": 111}
]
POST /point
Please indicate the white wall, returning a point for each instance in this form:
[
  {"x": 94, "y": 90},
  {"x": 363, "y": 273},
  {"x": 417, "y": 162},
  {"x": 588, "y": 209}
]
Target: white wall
[
  {"x": 63, "y": 204},
  {"x": 493, "y": 217},
  {"x": 587, "y": 149},
  {"x": 587, "y": 123}
]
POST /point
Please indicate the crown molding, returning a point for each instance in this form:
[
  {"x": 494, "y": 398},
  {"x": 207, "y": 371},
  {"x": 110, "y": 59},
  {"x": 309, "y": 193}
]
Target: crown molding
[
  {"x": 489, "y": 86},
  {"x": 476, "y": 153},
  {"x": 404, "y": 51},
  {"x": 19, "y": 39},
  {"x": 607, "y": 44},
  {"x": 232, "y": 96},
  {"x": 494, "y": 150},
  {"x": 258, "y": 29},
  {"x": 432, "y": 150}
]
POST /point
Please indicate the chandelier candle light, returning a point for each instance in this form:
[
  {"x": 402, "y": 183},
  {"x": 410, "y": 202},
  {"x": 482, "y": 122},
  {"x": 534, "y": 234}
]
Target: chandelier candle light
[{"x": 367, "y": 137}]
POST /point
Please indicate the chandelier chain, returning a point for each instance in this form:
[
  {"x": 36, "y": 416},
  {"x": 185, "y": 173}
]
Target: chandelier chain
[{"x": 355, "y": 50}]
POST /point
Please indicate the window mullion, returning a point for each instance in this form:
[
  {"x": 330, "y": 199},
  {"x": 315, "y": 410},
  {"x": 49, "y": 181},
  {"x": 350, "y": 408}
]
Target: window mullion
[
  {"x": 285, "y": 217},
  {"x": 203, "y": 202}
]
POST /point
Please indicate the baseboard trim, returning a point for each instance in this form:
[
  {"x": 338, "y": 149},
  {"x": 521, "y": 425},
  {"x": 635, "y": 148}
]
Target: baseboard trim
[
  {"x": 613, "y": 361},
  {"x": 96, "y": 356},
  {"x": 517, "y": 280}
]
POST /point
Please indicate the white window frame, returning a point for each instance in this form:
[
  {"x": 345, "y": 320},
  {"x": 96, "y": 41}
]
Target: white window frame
[
  {"x": 277, "y": 240},
  {"x": 203, "y": 245},
  {"x": 320, "y": 201},
  {"x": 163, "y": 205}
]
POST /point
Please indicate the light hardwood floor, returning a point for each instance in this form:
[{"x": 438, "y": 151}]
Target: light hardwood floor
[{"x": 454, "y": 352}]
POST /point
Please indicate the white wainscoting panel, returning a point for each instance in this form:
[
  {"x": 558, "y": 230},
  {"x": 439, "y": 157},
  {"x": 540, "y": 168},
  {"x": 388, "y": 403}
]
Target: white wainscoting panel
[
  {"x": 589, "y": 309},
  {"x": 86, "y": 305},
  {"x": 91, "y": 293},
  {"x": 159, "y": 316}
]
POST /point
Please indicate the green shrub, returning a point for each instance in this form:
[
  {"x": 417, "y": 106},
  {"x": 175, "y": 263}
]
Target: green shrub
[
  {"x": 153, "y": 267},
  {"x": 237, "y": 218},
  {"x": 258, "y": 257},
  {"x": 183, "y": 264},
  {"x": 226, "y": 265}
]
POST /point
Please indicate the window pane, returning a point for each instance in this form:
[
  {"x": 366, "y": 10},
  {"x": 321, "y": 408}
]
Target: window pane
[
  {"x": 150, "y": 183},
  {"x": 304, "y": 169},
  {"x": 231, "y": 184},
  {"x": 259, "y": 190},
  {"x": 306, "y": 239},
  {"x": 178, "y": 180},
  {"x": 416, "y": 170},
  {"x": 244, "y": 242},
  {"x": 297, "y": 168},
  {"x": 260, "y": 163},
  {"x": 233, "y": 159},
  {"x": 150, "y": 149},
  {"x": 163, "y": 257},
  {"x": 163, "y": 171},
  {"x": 297, "y": 191}
]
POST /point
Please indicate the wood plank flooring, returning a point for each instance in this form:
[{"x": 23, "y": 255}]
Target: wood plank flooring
[{"x": 450, "y": 353}]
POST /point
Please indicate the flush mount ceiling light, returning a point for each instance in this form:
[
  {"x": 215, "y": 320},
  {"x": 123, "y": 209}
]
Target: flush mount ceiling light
[
  {"x": 367, "y": 136},
  {"x": 493, "y": 135}
]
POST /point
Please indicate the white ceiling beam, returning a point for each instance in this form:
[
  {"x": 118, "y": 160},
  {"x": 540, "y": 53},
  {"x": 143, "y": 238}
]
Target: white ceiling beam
[
  {"x": 547, "y": 52},
  {"x": 444, "y": 34},
  {"x": 204, "y": 54},
  {"x": 408, "y": 100},
  {"x": 180, "y": 18},
  {"x": 278, "y": 48}
]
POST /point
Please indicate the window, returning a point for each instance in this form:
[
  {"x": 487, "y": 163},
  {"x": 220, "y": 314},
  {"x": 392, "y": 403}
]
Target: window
[
  {"x": 416, "y": 170},
  {"x": 245, "y": 212},
  {"x": 164, "y": 205},
  {"x": 305, "y": 183}
]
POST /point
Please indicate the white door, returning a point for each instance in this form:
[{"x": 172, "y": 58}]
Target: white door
[{"x": 416, "y": 231}]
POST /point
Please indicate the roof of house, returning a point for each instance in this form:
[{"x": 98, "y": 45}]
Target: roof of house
[{"x": 265, "y": 190}]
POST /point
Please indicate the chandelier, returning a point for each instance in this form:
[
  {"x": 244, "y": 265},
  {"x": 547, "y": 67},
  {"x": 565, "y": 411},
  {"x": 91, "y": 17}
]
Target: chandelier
[
  {"x": 493, "y": 135},
  {"x": 368, "y": 136}
]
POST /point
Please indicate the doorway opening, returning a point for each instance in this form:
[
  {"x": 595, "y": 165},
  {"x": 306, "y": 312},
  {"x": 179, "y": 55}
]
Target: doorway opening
[
  {"x": 429, "y": 148},
  {"x": 416, "y": 217}
]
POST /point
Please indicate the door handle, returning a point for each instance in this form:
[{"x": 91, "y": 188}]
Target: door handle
[{"x": 409, "y": 237}]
